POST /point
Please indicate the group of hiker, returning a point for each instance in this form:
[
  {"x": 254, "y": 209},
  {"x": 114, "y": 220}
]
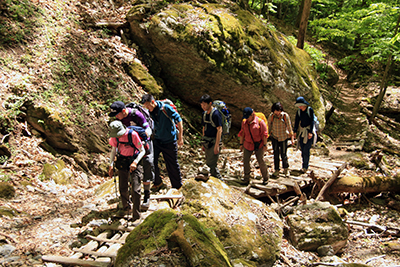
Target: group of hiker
[{"x": 139, "y": 135}]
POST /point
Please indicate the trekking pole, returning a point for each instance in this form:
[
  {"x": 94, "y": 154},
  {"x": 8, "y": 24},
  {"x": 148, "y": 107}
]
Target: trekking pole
[{"x": 115, "y": 181}]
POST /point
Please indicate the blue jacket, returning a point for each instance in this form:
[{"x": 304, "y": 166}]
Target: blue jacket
[
  {"x": 165, "y": 129},
  {"x": 304, "y": 120}
]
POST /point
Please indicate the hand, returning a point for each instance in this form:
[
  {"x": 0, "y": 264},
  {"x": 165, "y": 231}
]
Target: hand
[
  {"x": 216, "y": 149},
  {"x": 310, "y": 135},
  {"x": 133, "y": 166},
  {"x": 294, "y": 135},
  {"x": 180, "y": 142},
  {"x": 110, "y": 171},
  {"x": 265, "y": 148},
  {"x": 292, "y": 141},
  {"x": 241, "y": 148}
]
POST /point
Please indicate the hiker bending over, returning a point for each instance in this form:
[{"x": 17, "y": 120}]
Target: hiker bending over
[
  {"x": 303, "y": 130},
  {"x": 128, "y": 164},
  {"x": 212, "y": 131},
  {"x": 133, "y": 117},
  {"x": 280, "y": 130},
  {"x": 253, "y": 138},
  {"x": 168, "y": 135}
]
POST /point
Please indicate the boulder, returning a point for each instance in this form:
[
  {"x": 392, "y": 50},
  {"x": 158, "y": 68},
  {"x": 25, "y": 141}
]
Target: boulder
[
  {"x": 216, "y": 226},
  {"x": 224, "y": 51},
  {"x": 318, "y": 224}
]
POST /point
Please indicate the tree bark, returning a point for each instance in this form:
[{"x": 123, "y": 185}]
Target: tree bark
[
  {"x": 356, "y": 184},
  {"x": 303, "y": 24},
  {"x": 385, "y": 77}
]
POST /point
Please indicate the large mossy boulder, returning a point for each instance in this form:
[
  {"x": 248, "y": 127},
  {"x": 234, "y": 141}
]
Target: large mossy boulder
[
  {"x": 216, "y": 226},
  {"x": 316, "y": 225},
  {"x": 225, "y": 51}
]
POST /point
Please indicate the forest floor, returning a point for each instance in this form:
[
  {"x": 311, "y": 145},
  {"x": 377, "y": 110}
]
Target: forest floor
[{"x": 45, "y": 218}]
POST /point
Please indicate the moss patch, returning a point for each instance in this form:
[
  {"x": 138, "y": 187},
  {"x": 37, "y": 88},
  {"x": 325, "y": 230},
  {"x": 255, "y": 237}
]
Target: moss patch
[{"x": 7, "y": 191}]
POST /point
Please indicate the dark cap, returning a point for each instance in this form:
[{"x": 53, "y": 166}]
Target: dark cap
[
  {"x": 300, "y": 101},
  {"x": 247, "y": 112},
  {"x": 116, "y": 108}
]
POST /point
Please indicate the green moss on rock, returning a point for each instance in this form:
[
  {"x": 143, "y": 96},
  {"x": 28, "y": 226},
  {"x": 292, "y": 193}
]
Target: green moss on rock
[
  {"x": 7, "y": 191},
  {"x": 140, "y": 75}
]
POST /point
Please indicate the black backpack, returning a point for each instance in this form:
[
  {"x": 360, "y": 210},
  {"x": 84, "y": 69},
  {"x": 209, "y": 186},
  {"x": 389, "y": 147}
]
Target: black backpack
[
  {"x": 142, "y": 110},
  {"x": 143, "y": 136}
]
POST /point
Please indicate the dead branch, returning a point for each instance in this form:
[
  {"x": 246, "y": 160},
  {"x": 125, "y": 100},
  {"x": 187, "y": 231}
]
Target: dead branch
[
  {"x": 9, "y": 237},
  {"x": 331, "y": 180},
  {"x": 374, "y": 226}
]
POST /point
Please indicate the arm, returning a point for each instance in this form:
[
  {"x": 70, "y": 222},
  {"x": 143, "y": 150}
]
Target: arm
[
  {"x": 134, "y": 163},
  {"x": 217, "y": 140},
  {"x": 289, "y": 127},
  {"x": 112, "y": 157},
  {"x": 180, "y": 133}
]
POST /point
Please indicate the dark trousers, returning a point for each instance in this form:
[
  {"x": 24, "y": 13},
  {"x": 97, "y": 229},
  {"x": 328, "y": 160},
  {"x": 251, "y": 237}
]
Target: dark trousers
[
  {"x": 135, "y": 180},
  {"x": 170, "y": 154},
  {"x": 280, "y": 150},
  {"x": 148, "y": 165},
  {"x": 305, "y": 151}
]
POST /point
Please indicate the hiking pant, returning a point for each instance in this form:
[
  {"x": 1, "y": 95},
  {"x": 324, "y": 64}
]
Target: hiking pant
[
  {"x": 280, "y": 149},
  {"x": 148, "y": 165},
  {"x": 260, "y": 159},
  {"x": 135, "y": 180},
  {"x": 170, "y": 154},
  {"x": 305, "y": 151},
  {"x": 212, "y": 160}
]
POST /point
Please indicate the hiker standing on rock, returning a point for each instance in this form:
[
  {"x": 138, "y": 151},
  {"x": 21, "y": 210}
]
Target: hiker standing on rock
[
  {"x": 212, "y": 132},
  {"x": 303, "y": 130},
  {"x": 253, "y": 138},
  {"x": 168, "y": 135},
  {"x": 133, "y": 117},
  {"x": 280, "y": 130},
  {"x": 129, "y": 165}
]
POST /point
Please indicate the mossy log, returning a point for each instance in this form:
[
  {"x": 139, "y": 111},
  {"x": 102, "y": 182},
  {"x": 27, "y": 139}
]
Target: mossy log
[{"x": 356, "y": 184}]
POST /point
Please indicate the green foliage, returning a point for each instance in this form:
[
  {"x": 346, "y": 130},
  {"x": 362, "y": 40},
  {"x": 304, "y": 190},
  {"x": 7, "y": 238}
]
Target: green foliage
[
  {"x": 368, "y": 29},
  {"x": 8, "y": 118},
  {"x": 19, "y": 22}
]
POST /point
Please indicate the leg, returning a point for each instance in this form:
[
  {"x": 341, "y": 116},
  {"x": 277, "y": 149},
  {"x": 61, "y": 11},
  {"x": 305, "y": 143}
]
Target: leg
[
  {"x": 285, "y": 162},
  {"x": 170, "y": 153},
  {"x": 123, "y": 188},
  {"x": 305, "y": 152},
  {"x": 262, "y": 164},
  {"x": 148, "y": 166},
  {"x": 136, "y": 189},
  {"x": 246, "y": 164},
  {"x": 211, "y": 161},
  {"x": 275, "y": 147},
  {"x": 157, "y": 151}
]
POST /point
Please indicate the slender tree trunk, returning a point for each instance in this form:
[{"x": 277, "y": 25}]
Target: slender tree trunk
[
  {"x": 385, "y": 77},
  {"x": 303, "y": 23}
]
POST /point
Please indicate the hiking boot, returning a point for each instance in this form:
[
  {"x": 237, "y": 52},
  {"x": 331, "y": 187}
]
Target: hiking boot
[
  {"x": 265, "y": 181},
  {"x": 146, "y": 201},
  {"x": 304, "y": 170},
  {"x": 156, "y": 188},
  {"x": 275, "y": 175},
  {"x": 286, "y": 172},
  {"x": 201, "y": 177}
]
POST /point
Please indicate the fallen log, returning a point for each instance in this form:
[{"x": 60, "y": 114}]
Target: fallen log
[
  {"x": 330, "y": 181},
  {"x": 351, "y": 183}
]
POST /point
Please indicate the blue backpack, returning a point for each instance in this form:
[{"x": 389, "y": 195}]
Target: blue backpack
[{"x": 143, "y": 137}]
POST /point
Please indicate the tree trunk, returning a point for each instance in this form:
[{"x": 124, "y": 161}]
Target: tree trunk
[
  {"x": 384, "y": 80},
  {"x": 356, "y": 184},
  {"x": 303, "y": 24}
]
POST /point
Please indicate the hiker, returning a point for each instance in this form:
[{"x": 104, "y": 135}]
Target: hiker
[
  {"x": 133, "y": 117},
  {"x": 279, "y": 131},
  {"x": 303, "y": 130},
  {"x": 168, "y": 135},
  {"x": 129, "y": 165},
  {"x": 212, "y": 131},
  {"x": 253, "y": 138}
]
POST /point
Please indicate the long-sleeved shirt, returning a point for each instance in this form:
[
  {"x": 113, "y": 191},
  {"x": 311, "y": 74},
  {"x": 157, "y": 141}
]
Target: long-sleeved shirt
[
  {"x": 304, "y": 120},
  {"x": 125, "y": 149},
  {"x": 164, "y": 125},
  {"x": 258, "y": 130},
  {"x": 279, "y": 127},
  {"x": 136, "y": 118}
]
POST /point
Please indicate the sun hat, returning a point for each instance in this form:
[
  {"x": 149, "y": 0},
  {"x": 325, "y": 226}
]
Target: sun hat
[
  {"x": 300, "y": 101},
  {"x": 117, "y": 129},
  {"x": 247, "y": 112},
  {"x": 116, "y": 108}
]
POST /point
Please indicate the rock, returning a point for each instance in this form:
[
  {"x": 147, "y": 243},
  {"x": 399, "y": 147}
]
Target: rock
[
  {"x": 6, "y": 190},
  {"x": 216, "y": 225},
  {"x": 325, "y": 250},
  {"x": 315, "y": 225},
  {"x": 6, "y": 250},
  {"x": 223, "y": 51}
]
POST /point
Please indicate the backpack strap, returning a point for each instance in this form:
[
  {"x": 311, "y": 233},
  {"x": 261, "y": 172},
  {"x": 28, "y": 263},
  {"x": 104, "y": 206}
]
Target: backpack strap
[{"x": 166, "y": 114}]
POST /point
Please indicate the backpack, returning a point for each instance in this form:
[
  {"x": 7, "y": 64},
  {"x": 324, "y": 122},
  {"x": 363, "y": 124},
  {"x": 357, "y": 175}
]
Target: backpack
[
  {"x": 143, "y": 137},
  {"x": 170, "y": 103},
  {"x": 144, "y": 111},
  {"x": 316, "y": 122},
  {"x": 225, "y": 115},
  {"x": 261, "y": 115}
]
